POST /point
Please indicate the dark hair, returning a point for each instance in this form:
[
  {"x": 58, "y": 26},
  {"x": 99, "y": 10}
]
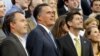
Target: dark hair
[
  {"x": 70, "y": 16},
  {"x": 98, "y": 18},
  {"x": 38, "y": 9},
  {"x": 93, "y": 2},
  {"x": 13, "y": 2},
  {"x": 28, "y": 12},
  {"x": 7, "y": 20},
  {"x": 57, "y": 29}
]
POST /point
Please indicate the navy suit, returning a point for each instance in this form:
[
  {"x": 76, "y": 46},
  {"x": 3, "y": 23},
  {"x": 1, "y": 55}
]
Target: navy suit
[
  {"x": 39, "y": 43},
  {"x": 67, "y": 47}
]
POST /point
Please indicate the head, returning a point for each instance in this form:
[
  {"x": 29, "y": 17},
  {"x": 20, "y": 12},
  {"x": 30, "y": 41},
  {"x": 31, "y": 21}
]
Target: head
[
  {"x": 22, "y": 3},
  {"x": 74, "y": 20},
  {"x": 52, "y": 3},
  {"x": 91, "y": 22},
  {"x": 44, "y": 15},
  {"x": 95, "y": 6},
  {"x": 15, "y": 23},
  {"x": 2, "y": 9},
  {"x": 71, "y": 4},
  {"x": 93, "y": 34},
  {"x": 60, "y": 28}
]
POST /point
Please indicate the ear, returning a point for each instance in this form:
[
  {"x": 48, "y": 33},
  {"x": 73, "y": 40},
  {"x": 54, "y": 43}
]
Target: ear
[
  {"x": 12, "y": 25},
  {"x": 69, "y": 23}
]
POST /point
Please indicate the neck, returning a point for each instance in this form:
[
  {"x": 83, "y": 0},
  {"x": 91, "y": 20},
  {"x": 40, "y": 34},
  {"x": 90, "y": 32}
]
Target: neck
[
  {"x": 95, "y": 48},
  {"x": 75, "y": 32},
  {"x": 18, "y": 34}
]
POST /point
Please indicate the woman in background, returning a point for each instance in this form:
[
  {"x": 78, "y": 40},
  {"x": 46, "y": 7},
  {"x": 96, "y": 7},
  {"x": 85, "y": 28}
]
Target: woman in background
[
  {"x": 93, "y": 34},
  {"x": 60, "y": 28}
]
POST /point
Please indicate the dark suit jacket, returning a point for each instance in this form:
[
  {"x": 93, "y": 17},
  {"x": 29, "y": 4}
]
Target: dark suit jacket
[
  {"x": 62, "y": 11},
  {"x": 67, "y": 47},
  {"x": 39, "y": 43},
  {"x": 11, "y": 46},
  {"x": 85, "y": 7}
]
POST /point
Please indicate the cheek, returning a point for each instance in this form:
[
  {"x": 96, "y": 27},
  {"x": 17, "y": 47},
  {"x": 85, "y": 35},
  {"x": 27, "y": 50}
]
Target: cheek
[{"x": 2, "y": 13}]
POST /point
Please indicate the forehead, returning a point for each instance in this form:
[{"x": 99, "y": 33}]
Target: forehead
[
  {"x": 96, "y": 2},
  {"x": 19, "y": 16},
  {"x": 46, "y": 8}
]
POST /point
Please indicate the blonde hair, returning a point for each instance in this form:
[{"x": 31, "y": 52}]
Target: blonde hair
[{"x": 89, "y": 20}]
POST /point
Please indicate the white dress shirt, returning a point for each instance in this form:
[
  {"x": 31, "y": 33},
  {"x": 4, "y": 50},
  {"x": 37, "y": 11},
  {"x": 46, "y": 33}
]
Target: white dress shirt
[{"x": 73, "y": 37}]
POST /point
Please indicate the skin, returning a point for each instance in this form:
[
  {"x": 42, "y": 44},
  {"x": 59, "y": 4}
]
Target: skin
[
  {"x": 96, "y": 7},
  {"x": 46, "y": 16},
  {"x": 19, "y": 26},
  {"x": 2, "y": 9}
]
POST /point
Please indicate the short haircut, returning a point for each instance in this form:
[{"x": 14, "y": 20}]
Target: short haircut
[
  {"x": 7, "y": 20},
  {"x": 93, "y": 2},
  {"x": 70, "y": 16},
  {"x": 38, "y": 9}
]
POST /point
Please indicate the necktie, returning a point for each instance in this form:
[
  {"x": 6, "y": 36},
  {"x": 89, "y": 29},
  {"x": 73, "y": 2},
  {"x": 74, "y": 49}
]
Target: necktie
[
  {"x": 52, "y": 39},
  {"x": 78, "y": 46}
]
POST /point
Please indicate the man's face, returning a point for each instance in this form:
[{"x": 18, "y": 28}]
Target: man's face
[
  {"x": 77, "y": 22},
  {"x": 96, "y": 6},
  {"x": 47, "y": 16},
  {"x": 72, "y": 4},
  {"x": 20, "y": 24},
  {"x": 23, "y": 3},
  {"x": 2, "y": 9}
]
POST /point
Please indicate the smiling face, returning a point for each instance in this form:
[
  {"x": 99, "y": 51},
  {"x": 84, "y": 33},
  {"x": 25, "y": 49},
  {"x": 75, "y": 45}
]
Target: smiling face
[
  {"x": 76, "y": 22},
  {"x": 96, "y": 6},
  {"x": 94, "y": 34},
  {"x": 72, "y": 4}
]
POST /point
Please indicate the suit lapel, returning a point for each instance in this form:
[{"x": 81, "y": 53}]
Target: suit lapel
[
  {"x": 70, "y": 44},
  {"x": 18, "y": 43},
  {"x": 46, "y": 35},
  {"x": 83, "y": 42}
]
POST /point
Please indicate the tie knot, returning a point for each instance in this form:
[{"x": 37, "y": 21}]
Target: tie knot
[{"x": 76, "y": 39}]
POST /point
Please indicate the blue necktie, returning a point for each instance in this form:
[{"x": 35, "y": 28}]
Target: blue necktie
[{"x": 52, "y": 39}]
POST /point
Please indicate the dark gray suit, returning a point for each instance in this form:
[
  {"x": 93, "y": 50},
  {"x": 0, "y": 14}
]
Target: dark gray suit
[
  {"x": 11, "y": 46},
  {"x": 39, "y": 43},
  {"x": 67, "y": 47}
]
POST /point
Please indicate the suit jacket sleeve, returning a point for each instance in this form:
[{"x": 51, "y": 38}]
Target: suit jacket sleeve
[{"x": 8, "y": 49}]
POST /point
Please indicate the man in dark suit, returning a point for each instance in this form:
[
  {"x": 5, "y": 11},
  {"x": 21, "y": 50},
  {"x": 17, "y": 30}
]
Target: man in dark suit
[
  {"x": 40, "y": 42},
  {"x": 72, "y": 44},
  {"x": 69, "y": 5},
  {"x": 14, "y": 44}
]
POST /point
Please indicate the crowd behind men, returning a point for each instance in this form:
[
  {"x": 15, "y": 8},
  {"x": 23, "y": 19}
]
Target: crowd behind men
[{"x": 50, "y": 28}]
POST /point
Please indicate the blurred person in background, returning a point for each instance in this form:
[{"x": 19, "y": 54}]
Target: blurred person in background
[
  {"x": 60, "y": 28},
  {"x": 93, "y": 34},
  {"x": 2, "y": 14}
]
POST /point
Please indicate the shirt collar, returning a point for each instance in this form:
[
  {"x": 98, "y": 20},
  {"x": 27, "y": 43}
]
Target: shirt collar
[
  {"x": 66, "y": 8},
  {"x": 20, "y": 38},
  {"x": 73, "y": 36},
  {"x": 47, "y": 30}
]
